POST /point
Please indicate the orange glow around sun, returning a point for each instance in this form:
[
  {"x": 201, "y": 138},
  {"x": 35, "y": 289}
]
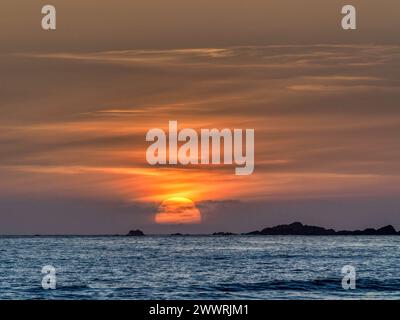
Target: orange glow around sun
[{"x": 178, "y": 210}]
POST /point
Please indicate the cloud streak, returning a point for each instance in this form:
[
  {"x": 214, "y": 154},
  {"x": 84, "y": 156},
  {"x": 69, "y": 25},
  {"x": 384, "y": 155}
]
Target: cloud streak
[{"x": 325, "y": 116}]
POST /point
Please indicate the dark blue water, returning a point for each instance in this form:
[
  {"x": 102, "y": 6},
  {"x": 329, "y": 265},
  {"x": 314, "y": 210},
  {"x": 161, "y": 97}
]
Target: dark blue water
[{"x": 203, "y": 267}]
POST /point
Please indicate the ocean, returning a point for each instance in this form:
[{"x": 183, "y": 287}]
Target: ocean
[{"x": 200, "y": 267}]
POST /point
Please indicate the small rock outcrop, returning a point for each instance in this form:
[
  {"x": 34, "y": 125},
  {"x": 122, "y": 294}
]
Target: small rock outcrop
[
  {"x": 223, "y": 234},
  {"x": 135, "y": 233}
]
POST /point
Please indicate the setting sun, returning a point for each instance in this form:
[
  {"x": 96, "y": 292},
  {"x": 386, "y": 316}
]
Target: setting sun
[{"x": 178, "y": 210}]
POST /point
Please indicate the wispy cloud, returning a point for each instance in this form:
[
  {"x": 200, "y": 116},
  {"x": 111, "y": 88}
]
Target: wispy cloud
[{"x": 326, "y": 120}]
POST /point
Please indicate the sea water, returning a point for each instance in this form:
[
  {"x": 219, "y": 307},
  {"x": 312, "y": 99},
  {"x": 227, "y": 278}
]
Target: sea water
[{"x": 200, "y": 267}]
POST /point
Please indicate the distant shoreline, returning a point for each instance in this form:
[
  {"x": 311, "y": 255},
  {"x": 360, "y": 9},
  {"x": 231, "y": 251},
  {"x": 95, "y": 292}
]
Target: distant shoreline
[
  {"x": 293, "y": 229},
  {"x": 299, "y": 229}
]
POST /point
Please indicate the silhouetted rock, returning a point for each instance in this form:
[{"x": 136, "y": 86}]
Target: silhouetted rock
[
  {"x": 388, "y": 230},
  {"x": 297, "y": 228},
  {"x": 223, "y": 234},
  {"x": 348, "y": 233},
  {"x": 252, "y": 233},
  {"x": 385, "y": 231},
  {"x": 135, "y": 233},
  {"x": 369, "y": 232}
]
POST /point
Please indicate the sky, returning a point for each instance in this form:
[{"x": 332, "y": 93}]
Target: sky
[{"x": 76, "y": 104}]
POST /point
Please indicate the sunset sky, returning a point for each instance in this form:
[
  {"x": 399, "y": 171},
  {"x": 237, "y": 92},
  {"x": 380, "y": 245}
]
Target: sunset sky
[{"x": 76, "y": 104}]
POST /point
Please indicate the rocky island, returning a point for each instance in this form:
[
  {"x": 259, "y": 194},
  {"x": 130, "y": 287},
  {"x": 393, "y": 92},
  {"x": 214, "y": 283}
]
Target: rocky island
[{"x": 298, "y": 229}]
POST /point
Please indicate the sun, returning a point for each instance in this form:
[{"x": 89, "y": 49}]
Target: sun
[{"x": 178, "y": 210}]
